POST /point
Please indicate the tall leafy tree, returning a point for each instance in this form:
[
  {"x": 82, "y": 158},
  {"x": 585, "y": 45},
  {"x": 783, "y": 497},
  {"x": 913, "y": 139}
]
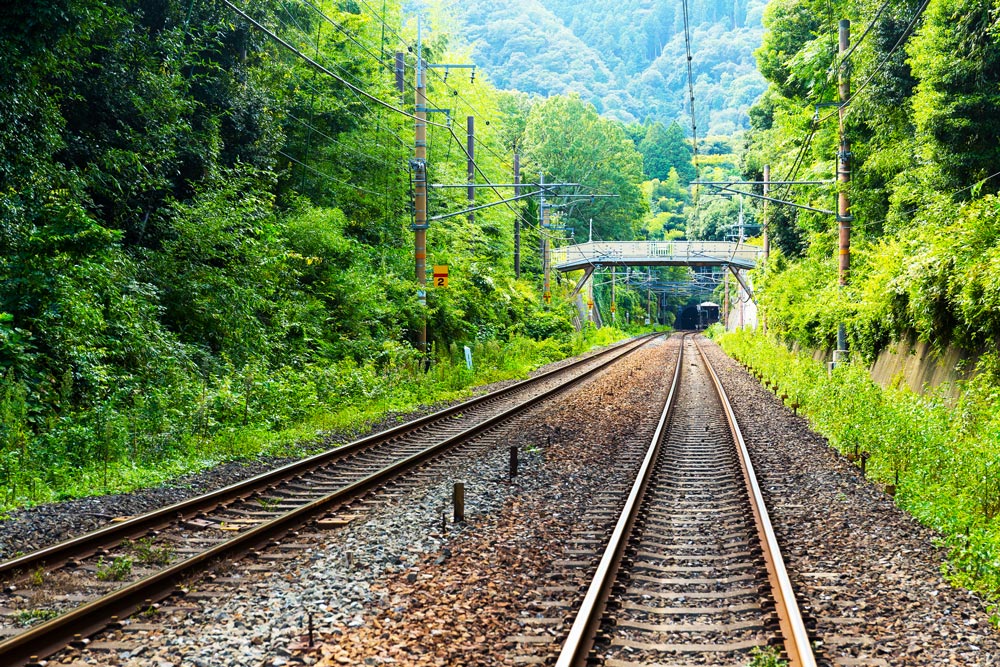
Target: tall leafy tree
[
  {"x": 666, "y": 148},
  {"x": 956, "y": 59},
  {"x": 570, "y": 142}
]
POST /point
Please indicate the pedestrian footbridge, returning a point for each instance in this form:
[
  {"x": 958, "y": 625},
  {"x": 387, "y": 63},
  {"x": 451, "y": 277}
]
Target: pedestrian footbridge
[
  {"x": 737, "y": 257},
  {"x": 655, "y": 253}
]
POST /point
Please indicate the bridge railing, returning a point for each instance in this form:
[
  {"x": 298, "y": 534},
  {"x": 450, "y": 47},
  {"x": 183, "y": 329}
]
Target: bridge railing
[{"x": 680, "y": 251}]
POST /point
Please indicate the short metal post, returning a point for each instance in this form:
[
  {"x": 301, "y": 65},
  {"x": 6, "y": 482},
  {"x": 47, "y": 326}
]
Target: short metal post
[
  {"x": 513, "y": 461},
  {"x": 458, "y": 498}
]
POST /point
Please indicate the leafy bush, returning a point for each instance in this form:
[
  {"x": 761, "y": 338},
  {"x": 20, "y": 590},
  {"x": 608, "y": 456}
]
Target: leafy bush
[{"x": 942, "y": 459}]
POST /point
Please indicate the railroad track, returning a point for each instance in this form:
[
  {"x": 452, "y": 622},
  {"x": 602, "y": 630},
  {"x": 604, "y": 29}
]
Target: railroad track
[
  {"x": 91, "y": 582},
  {"x": 692, "y": 573}
]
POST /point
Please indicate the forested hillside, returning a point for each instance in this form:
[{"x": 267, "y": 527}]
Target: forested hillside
[
  {"x": 205, "y": 229},
  {"x": 922, "y": 124},
  {"x": 627, "y": 58}
]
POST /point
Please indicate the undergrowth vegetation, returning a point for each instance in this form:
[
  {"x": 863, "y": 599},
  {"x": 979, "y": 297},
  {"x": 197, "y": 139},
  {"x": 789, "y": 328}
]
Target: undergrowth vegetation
[
  {"x": 942, "y": 458},
  {"x": 206, "y": 242},
  {"x": 137, "y": 439}
]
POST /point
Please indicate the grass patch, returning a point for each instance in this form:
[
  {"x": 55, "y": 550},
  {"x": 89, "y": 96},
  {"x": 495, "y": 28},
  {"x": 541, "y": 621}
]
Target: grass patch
[
  {"x": 941, "y": 458},
  {"x": 29, "y": 617},
  {"x": 146, "y": 551},
  {"x": 117, "y": 569}
]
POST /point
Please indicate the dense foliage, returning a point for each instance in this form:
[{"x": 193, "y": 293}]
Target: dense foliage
[
  {"x": 922, "y": 128},
  {"x": 205, "y": 236},
  {"x": 940, "y": 459},
  {"x": 627, "y": 58}
]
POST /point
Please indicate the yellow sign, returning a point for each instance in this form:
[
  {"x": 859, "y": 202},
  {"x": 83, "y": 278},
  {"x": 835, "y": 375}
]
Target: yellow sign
[
  {"x": 613, "y": 307},
  {"x": 440, "y": 275}
]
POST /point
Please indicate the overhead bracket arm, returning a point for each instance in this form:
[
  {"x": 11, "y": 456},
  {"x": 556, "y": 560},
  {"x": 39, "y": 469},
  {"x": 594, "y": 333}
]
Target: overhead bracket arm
[
  {"x": 739, "y": 279},
  {"x": 587, "y": 272}
]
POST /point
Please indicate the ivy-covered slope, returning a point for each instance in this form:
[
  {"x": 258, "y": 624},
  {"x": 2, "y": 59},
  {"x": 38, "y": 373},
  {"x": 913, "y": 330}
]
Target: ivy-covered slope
[{"x": 922, "y": 125}]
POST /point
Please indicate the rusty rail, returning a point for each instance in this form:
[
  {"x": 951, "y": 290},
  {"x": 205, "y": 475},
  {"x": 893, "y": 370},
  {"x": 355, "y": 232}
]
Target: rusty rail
[
  {"x": 47, "y": 638},
  {"x": 579, "y": 643},
  {"x": 577, "y": 646},
  {"x": 793, "y": 630},
  {"x": 89, "y": 543}
]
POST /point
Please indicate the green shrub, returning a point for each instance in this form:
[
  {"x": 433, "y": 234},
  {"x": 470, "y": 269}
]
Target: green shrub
[{"x": 943, "y": 459}]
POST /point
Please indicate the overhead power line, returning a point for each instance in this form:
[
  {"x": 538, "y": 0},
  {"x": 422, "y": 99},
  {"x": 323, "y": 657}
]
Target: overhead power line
[
  {"x": 857, "y": 43},
  {"x": 885, "y": 59},
  {"x": 328, "y": 176},
  {"x": 321, "y": 68}
]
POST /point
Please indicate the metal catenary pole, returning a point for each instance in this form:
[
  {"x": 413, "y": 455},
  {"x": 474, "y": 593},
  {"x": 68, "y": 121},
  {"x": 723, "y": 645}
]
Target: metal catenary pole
[
  {"x": 767, "y": 192},
  {"x": 419, "y": 165},
  {"x": 517, "y": 218},
  {"x": 844, "y": 217},
  {"x": 471, "y": 163},
  {"x": 543, "y": 215},
  {"x": 614, "y": 305}
]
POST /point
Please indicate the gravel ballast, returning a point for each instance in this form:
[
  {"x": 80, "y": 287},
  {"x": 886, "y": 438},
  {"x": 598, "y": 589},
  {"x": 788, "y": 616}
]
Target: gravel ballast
[{"x": 396, "y": 587}]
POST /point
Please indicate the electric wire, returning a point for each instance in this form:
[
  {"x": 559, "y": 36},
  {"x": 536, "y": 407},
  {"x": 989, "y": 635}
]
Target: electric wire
[
  {"x": 343, "y": 145},
  {"x": 330, "y": 177},
  {"x": 321, "y": 68},
  {"x": 885, "y": 59},
  {"x": 816, "y": 121},
  {"x": 952, "y": 194},
  {"x": 480, "y": 142},
  {"x": 361, "y": 98},
  {"x": 529, "y": 222},
  {"x": 868, "y": 29},
  {"x": 690, "y": 76},
  {"x": 354, "y": 38}
]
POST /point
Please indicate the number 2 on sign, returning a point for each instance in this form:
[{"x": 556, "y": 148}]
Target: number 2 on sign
[{"x": 440, "y": 281}]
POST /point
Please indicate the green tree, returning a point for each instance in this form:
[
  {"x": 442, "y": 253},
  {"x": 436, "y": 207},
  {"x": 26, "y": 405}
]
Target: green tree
[
  {"x": 956, "y": 58},
  {"x": 666, "y": 148},
  {"x": 567, "y": 139}
]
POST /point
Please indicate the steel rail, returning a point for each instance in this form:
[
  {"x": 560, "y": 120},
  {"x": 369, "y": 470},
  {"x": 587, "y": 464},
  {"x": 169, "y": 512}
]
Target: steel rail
[
  {"x": 579, "y": 643},
  {"x": 793, "y": 629},
  {"x": 47, "y": 638},
  {"x": 88, "y": 544},
  {"x": 580, "y": 640}
]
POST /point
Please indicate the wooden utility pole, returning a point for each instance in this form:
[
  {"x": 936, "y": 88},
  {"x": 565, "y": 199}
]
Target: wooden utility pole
[
  {"x": 517, "y": 218},
  {"x": 419, "y": 166},
  {"x": 471, "y": 150},
  {"x": 844, "y": 217},
  {"x": 614, "y": 306},
  {"x": 543, "y": 216},
  {"x": 767, "y": 191}
]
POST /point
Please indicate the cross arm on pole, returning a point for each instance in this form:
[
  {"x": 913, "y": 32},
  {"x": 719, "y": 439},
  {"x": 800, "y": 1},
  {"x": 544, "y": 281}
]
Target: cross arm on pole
[{"x": 728, "y": 190}]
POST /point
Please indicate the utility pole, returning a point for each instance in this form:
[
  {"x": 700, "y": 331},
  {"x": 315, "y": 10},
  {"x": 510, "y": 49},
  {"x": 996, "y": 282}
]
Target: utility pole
[
  {"x": 844, "y": 217},
  {"x": 470, "y": 144},
  {"x": 517, "y": 218},
  {"x": 767, "y": 191},
  {"x": 590, "y": 300},
  {"x": 649, "y": 295},
  {"x": 543, "y": 217},
  {"x": 614, "y": 306},
  {"x": 419, "y": 166},
  {"x": 725, "y": 300}
]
